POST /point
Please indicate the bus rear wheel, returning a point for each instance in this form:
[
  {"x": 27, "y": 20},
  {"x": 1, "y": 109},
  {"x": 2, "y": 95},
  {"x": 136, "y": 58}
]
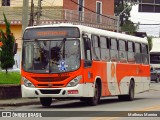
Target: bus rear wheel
[
  {"x": 46, "y": 101},
  {"x": 130, "y": 95}
]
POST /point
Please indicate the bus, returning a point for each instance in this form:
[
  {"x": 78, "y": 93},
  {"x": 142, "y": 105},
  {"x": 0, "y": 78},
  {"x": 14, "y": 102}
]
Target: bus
[
  {"x": 155, "y": 53},
  {"x": 79, "y": 62},
  {"x": 155, "y": 60}
]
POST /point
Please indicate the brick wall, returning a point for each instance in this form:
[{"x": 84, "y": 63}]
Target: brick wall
[{"x": 107, "y": 5}]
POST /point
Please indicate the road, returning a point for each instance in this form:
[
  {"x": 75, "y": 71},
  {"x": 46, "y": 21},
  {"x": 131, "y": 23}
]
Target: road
[{"x": 147, "y": 101}]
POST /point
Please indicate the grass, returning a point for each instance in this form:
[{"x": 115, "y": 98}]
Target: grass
[{"x": 10, "y": 78}]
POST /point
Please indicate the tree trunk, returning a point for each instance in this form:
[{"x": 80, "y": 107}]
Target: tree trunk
[{"x": 6, "y": 70}]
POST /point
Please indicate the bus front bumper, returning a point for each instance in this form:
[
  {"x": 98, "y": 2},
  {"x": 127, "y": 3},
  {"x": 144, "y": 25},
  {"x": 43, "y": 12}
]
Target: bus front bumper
[{"x": 81, "y": 90}]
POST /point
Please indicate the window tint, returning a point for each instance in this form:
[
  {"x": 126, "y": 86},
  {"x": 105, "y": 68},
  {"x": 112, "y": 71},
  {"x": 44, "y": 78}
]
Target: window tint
[
  {"x": 144, "y": 48},
  {"x": 113, "y": 50},
  {"x": 113, "y": 44},
  {"x": 122, "y": 45},
  {"x": 95, "y": 41},
  {"x": 5, "y": 2},
  {"x": 145, "y": 56},
  {"x": 137, "y": 48},
  {"x": 131, "y": 55},
  {"x": 138, "y": 53},
  {"x": 122, "y": 51},
  {"x": 103, "y": 42},
  {"x": 96, "y": 47},
  {"x": 104, "y": 51}
]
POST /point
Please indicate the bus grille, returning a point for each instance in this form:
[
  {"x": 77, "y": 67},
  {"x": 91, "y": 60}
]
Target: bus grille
[
  {"x": 50, "y": 91},
  {"x": 53, "y": 85},
  {"x": 50, "y": 79}
]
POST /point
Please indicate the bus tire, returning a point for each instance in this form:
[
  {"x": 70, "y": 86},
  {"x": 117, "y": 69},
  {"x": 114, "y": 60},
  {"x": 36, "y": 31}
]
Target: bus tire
[
  {"x": 46, "y": 101},
  {"x": 130, "y": 95},
  {"x": 93, "y": 101},
  {"x": 157, "y": 79}
]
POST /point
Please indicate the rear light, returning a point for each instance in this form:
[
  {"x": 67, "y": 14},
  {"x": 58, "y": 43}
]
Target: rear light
[{"x": 72, "y": 91}]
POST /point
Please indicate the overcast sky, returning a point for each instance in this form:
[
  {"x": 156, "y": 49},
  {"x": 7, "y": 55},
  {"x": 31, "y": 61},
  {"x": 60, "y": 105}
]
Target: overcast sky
[{"x": 146, "y": 18}]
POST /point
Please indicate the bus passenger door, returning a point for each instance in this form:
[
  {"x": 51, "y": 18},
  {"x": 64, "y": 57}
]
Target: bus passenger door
[{"x": 88, "y": 73}]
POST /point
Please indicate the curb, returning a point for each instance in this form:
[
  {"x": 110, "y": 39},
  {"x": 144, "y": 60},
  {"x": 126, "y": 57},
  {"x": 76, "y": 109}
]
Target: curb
[{"x": 19, "y": 102}]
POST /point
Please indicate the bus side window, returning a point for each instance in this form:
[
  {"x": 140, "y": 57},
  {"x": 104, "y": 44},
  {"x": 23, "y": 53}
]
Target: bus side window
[
  {"x": 114, "y": 50},
  {"x": 87, "y": 52},
  {"x": 122, "y": 51},
  {"x": 96, "y": 47},
  {"x": 130, "y": 54},
  {"x": 145, "y": 54},
  {"x": 138, "y": 53},
  {"x": 105, "y": 56}
]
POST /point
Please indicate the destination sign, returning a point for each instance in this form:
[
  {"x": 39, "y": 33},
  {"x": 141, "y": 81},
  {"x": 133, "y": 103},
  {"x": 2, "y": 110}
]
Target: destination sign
[{"x": 51, "y": 33}]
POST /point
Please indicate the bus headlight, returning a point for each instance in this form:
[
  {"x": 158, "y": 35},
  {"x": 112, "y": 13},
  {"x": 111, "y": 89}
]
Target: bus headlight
[
  {"x": 75, "y": 81},
  {"x": 27, "y": 83}
]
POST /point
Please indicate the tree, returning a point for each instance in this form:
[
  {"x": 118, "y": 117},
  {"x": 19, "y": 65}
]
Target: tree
[
  {"x": 6, "y": 53},
  {"x": 125, "y": 24},
  {"x": 149, "y": 38}
]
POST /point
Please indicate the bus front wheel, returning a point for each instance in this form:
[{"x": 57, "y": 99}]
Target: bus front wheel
[
  {"x": 46, "y": 101},
  {"x": 96, "y": 98}
]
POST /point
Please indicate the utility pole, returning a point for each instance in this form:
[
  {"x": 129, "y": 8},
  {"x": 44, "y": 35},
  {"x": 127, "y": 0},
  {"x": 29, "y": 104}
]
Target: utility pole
[
  {"x": 39, "y": 12},
  {"x": 25, "y": 14},
  {"x": 118, "y": 21},
  {"x": 31, "y": 22}
]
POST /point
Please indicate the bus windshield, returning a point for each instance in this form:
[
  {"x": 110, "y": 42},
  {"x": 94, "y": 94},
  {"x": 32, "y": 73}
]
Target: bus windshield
[
  {"x": 51, "y": 56},
  {"x": 155, "y": 58}
]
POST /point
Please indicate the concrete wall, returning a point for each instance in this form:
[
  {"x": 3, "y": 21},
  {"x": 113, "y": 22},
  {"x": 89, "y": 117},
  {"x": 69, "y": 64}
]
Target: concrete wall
[{"x": 10, "y": 91}]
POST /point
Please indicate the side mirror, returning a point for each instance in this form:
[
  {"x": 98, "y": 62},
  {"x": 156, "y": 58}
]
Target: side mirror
[{"x": 15, "y": 46}]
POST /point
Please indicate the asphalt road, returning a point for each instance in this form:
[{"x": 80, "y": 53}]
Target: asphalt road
[{"x": 144, "y": 102}]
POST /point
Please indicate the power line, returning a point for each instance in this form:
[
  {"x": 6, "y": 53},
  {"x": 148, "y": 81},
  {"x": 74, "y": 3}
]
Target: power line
[{"x": 92, "y": 10}]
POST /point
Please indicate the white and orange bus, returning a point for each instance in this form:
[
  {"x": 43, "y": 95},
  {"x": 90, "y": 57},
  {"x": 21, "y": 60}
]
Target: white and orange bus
[{"x": 75, "y": 61}]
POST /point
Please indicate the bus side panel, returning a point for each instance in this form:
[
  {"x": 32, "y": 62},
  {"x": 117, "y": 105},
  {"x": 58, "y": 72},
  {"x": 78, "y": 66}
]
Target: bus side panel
[
  {"x": 138, "y": 72},
  {"x": 97, "y": 70}
]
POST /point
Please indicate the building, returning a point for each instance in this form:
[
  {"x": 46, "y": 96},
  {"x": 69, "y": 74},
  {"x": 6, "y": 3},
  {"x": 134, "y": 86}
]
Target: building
[{"x": 57, "y": 11}]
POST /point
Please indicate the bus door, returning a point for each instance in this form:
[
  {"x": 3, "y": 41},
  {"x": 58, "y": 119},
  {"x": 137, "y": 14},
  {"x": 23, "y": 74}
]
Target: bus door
[{"x": 88, "y": 73}]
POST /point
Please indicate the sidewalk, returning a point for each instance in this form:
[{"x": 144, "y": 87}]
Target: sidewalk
[{"x": 19, "y": 101}]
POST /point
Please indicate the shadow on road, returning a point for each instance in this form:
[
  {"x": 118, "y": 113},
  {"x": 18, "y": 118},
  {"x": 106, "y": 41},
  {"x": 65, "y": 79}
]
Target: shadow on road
[{"x": 79, "y": 104}]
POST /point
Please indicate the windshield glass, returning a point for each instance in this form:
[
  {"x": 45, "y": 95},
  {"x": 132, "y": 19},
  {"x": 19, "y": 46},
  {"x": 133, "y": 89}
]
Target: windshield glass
[
  {"x": 51, "y": 56},
  {"x": 154, "y": 58}
]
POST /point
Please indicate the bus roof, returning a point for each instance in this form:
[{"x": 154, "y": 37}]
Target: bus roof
[
  {"x": 95, "y": 31},
  {"x": 155, "y": 45}
]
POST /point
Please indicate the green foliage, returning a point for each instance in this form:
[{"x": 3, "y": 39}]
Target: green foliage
[
  {"x": 125, "y": 24},
  {"x": 10, "y": 78},
  {"x": 6, "y": 53},
  {"x": 150, "y": 42}
]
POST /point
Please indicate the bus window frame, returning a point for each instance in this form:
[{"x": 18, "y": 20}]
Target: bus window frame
[
  {"x": 106, "y": 48},
  {"x": 94, "y": 55},
  {"x": 116, "y": 59}
]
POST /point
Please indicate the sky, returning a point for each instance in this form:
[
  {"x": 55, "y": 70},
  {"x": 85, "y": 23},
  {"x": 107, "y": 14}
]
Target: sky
[{"x": 146, "y": 18}]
